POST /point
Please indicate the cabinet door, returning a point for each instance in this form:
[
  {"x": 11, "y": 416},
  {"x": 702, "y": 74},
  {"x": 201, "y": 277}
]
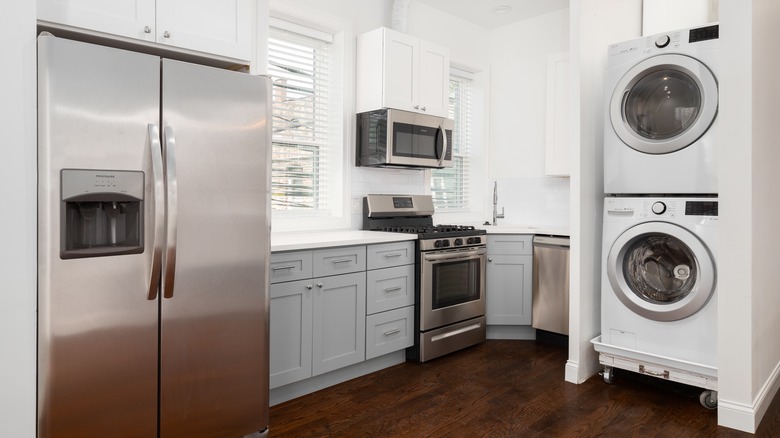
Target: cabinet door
[
  {"x": 221, "y": 27},
  {"x": 401, "y": 76},
  {"x": 291, "y": 332},
  {"x": 509, "y": 283},
  {"x": 434, "y": 79},
  {"x": 339, "y": 321},
  {"x": 127, "y": 18}
]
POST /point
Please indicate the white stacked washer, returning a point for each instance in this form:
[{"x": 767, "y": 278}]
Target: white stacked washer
[
  {"x": 659, "y": 289},
  {"x": 661, "y": 108}
]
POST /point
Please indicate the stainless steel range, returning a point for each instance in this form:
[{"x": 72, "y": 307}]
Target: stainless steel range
[{"x": 450, "y": 267}]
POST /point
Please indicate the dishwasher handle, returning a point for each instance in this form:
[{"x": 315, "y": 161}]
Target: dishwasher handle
[{"x": 551, "y": 241}]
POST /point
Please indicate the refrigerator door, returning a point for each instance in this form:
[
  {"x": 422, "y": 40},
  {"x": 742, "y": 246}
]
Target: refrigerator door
[
  {"x": 214, "y": 325},
  {"x": 97, "y": 327}
]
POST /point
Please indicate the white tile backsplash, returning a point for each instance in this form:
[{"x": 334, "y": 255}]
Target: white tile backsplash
[{"x": 369, "y": 180}]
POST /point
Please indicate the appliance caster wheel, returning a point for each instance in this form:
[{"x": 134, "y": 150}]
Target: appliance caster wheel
[
  {"x": 709, "y": 399},
  {"x": 608, "y": 374}
]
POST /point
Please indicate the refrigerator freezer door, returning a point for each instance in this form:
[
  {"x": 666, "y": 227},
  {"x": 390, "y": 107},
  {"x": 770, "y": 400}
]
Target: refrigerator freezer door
[
  {"x": 97, "y": 331},
  {"x": 214, "y": 329}
]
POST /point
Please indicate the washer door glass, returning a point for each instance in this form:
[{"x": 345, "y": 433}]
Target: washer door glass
[
  {"x": 660, "y": 268},
  {"x": 664, "y": 104},
  {"x": 661, "y": 271}
]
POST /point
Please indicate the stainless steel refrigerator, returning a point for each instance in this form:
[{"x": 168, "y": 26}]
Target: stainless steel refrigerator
[{"x": 153, "y": 245}]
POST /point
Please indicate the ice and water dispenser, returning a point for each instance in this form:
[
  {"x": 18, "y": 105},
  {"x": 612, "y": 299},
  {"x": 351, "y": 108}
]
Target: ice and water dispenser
[{"x": 102, "y": 213}]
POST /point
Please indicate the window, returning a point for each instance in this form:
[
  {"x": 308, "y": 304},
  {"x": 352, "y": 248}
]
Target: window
[
  {"x": 308, "y": 171},
  {"x": 450, "y": 186}
]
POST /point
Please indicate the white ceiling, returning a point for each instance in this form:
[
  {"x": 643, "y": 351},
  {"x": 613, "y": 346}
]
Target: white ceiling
[{"x": 480, "y": 11}]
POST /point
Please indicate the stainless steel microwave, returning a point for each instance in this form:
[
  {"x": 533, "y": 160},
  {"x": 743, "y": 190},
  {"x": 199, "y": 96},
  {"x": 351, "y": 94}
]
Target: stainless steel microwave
[{"x": 395, "y": 138}]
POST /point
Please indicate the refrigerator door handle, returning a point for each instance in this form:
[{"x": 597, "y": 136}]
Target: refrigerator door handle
[
  {"x": 169, "y": 260},
  {"x": 159, "y": 208}
]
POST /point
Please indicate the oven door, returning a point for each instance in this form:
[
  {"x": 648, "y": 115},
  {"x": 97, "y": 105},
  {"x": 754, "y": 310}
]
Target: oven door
[{"x": 452, "y": 286}]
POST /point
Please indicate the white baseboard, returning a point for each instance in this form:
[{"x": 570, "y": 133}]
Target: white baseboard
[
  {"x": 744, "y": 417},
  {"x": 572, "y": 372}
]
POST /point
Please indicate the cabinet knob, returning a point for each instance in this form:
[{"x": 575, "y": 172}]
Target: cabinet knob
[
  {"x": 490, "y": 260},
  {"x": 319, "y": 285},
  {"x": 147, "y": 29},
  {"x": 167, "y": 34},
  {"x": 308, "y": 286}
]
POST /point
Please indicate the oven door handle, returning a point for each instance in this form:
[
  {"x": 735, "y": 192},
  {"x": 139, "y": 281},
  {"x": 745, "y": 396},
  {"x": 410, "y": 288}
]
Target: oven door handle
[{"x": 456, "y": 255}]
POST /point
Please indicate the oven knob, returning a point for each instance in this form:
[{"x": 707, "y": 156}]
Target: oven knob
[
  {"x": 477, "y": 240},
  {"x": 470, "y": 240},
  {"x": 659, "y": 207},
  {"x": 445, "y": 243},
  {"x": 437, "y": 244},
  {"x": 458, "y": 242}
]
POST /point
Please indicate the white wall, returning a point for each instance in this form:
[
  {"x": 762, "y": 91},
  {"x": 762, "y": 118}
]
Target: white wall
[
  {"x": 18, "y": 271},
  {"x": 664, "y": 15},
  {"x": 518, "y": 130},
  {"x": 749, "y": 293},
  {"x": 594, "y": 25}
]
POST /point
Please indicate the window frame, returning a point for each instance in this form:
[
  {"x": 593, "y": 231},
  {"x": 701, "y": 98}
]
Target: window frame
[{"x": 335, "y": 215}]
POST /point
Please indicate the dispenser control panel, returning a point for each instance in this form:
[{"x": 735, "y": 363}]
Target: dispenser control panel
[{"x": 80, "y": 182}]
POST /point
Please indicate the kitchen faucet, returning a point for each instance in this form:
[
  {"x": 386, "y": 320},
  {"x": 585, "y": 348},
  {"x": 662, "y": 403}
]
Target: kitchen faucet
[{"x": 496, "y": 215}]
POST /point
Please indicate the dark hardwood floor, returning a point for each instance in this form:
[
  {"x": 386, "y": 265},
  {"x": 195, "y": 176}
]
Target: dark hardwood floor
[{"x": 503, "y": 389}]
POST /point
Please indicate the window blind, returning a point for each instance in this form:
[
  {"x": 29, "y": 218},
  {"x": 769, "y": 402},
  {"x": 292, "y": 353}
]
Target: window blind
[
  {"x": 299, "y": 65},
  {"x": 450, "y": 187}
]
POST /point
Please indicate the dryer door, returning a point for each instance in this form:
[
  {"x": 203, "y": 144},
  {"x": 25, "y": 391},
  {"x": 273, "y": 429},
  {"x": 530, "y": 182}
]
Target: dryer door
[
  {"x": 664, "y": 104},
  {"x": 661, "y": 271}
]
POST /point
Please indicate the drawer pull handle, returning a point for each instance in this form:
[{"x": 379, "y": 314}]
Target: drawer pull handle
[
  {"x": 392, "y": 332},
  {"x": 280, "y": 268},
  {"x": 664, "y": 374},
  {"x": 393, "y": 255},
  {"x": 392, "y": 289},
  {"x": 342, "y": 261}
]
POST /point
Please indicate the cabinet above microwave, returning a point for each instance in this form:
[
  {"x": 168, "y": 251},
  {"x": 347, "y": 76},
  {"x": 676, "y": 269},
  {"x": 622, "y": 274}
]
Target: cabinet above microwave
[
  {"x": 395, "y": 70},
  {"x": 394, "y": 138}
]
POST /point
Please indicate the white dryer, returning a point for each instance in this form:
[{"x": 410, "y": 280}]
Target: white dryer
[
  {"x": 661, "y": 109},
  {"x": 659, "y": 280}
]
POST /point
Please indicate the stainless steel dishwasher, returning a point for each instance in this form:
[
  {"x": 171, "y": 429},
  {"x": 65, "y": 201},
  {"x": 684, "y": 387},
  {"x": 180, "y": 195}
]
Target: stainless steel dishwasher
[{"x": 550, "y": 310}]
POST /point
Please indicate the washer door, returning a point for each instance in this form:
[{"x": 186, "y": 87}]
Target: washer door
[
  {"x": 661, "y": 271},
  {"x": 664, "y": 104}
]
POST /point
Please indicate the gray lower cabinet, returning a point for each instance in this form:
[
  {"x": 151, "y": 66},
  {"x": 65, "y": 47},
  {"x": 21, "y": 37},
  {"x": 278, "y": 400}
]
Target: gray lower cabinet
[
  {"x": 509, "y": 279},
  {"x": 317, "y": 324},
  {"x": 327, "y": 312}
]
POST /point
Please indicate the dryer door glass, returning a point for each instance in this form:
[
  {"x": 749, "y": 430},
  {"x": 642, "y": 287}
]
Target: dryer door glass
[
  {"x": 663, "y": 104},
  {"x": 660, "y": 269}
]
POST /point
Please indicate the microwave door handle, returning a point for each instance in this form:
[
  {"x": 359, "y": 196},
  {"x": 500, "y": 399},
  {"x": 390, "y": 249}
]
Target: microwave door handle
[
  {"x": 169, "y": 259},
  {"x": 158, "y": 191},
  {"x": 444, "y": 144}
]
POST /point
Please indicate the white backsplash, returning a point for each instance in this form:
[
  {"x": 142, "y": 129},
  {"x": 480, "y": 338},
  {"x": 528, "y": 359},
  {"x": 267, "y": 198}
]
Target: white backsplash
[
  {"x": 366, "y": 180},
  {"x": 533, "y": 201}
]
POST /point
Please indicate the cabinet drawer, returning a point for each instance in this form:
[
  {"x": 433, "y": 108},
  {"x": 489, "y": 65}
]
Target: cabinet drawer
[
  {"x": 387, "y": 255},
  {"x": 289, "y": 266},
  {"x": 389, "y": 288},
  {"x": 514, "y": 244},
  {"x": 389, "y": 331},
  {"x": 333, "y": 261}
]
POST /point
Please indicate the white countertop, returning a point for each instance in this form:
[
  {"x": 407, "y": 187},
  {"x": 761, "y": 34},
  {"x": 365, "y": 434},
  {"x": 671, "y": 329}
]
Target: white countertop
[{"x": 326, "y": 239}]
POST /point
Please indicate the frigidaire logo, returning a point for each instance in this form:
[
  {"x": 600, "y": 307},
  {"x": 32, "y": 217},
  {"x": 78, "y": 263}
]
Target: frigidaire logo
[{"x": 105, "y": 176}]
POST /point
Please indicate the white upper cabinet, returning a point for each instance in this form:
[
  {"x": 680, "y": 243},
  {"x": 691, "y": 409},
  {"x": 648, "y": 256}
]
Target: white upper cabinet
[
  {"x": 395, "y": 70},
  {"x": 219, "y": 27}
]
